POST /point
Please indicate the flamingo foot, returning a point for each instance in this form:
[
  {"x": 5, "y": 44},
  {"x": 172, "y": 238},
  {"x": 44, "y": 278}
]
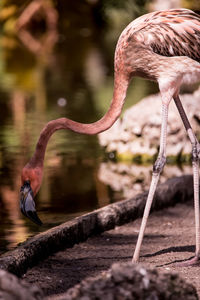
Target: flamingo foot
[{"x": 194, "y": 261}]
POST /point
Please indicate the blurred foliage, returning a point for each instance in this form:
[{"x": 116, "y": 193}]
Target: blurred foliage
[
  {"x": 8, "y": 15},
  {"x": 191, "y": 4},
  {"x": 119, "y": 13},
  {"x": 116, "y": 15}
]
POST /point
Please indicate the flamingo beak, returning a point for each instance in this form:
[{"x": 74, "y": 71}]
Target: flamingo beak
[{"x": 27, "y": 204}]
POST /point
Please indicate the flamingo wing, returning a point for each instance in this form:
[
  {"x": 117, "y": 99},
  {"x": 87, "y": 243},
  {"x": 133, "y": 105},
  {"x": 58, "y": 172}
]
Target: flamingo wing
[{"x": 172, "y": 33}]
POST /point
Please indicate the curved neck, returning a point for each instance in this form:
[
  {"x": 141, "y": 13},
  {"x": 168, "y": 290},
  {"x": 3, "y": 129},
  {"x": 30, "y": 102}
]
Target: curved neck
[{"x": 119, "y": 94}]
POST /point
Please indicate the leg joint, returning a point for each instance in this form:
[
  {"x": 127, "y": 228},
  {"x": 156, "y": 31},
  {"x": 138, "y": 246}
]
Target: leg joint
[
  {"x": 159, "y": 164},
  {"x": 195, "y": 152}
]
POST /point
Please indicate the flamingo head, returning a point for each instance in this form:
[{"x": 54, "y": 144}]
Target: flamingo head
[{"x": 31, "y": 180}]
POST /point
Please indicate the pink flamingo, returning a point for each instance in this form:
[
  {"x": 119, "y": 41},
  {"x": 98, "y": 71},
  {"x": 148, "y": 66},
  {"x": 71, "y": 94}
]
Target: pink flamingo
[{"x": 163, "y": 46}]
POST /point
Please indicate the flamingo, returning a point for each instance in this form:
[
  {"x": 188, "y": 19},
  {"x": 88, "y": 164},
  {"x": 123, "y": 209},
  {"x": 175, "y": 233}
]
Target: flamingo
[{"x": 163, "y": 46}]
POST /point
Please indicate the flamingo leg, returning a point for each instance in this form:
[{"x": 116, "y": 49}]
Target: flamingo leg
[
  {"x": 157, "y": 169},
  {"x": 195, "y": 165}
]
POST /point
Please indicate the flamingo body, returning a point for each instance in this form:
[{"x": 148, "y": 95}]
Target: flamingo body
[{"x": 161, "y": 46}]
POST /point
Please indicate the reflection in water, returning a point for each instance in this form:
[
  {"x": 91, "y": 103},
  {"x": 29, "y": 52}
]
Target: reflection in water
[{"x": 127, "y": 180}]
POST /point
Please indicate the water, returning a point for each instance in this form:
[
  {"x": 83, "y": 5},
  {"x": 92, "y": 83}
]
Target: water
[{"x": 73, "y": 77}]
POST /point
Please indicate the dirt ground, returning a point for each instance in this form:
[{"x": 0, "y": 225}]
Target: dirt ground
[{"x": 169, "y": 238}]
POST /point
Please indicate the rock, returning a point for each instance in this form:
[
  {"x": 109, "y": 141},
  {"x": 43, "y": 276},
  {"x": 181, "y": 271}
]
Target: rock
[
  {"x": 12, "y": 288},
  {"x": 132, "y": 281},
  {"x": 139, "y": 130}
]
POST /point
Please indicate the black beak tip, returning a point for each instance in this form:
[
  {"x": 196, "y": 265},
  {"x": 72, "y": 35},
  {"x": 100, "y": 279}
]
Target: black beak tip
[{"x": 32, "y": 215}]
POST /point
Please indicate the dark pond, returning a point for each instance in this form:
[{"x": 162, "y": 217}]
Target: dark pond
[{"x": 72, "y": 77}]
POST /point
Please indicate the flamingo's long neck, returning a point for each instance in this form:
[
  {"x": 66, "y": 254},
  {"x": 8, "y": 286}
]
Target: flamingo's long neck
[{"x": 119, "y": 94}]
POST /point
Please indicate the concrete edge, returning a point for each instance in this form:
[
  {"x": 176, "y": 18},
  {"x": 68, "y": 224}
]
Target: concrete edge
[{"x": 37, "y": 248}]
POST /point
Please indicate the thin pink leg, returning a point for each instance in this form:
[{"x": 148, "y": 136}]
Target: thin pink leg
[
  {"x": 157, "y": 169},
  {"x": 195, "y": 165}
]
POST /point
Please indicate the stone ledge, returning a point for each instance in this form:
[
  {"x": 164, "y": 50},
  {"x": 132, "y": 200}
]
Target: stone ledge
[{"x": 179, "y": 189}]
